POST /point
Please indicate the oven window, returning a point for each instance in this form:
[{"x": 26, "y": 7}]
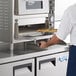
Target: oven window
[{"x": 34, "y": 5}]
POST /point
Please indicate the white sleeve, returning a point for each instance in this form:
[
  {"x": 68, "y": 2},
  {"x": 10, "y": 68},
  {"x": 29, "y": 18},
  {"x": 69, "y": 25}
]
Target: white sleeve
[{"x": 65, "y": 26}]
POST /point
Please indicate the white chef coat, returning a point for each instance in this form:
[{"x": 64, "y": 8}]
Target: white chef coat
[{"x": 68, "y": 25}]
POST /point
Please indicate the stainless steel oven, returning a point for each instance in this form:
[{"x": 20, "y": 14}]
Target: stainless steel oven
[{"x": 31, "y": 6}]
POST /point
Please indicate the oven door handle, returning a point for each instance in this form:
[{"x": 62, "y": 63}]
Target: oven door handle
[
  {"x": 29, "y": 66},
  {"x": 52, "y": 60}
]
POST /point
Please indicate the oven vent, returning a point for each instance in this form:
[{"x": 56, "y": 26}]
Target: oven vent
[{"x": 5, "y": 20}]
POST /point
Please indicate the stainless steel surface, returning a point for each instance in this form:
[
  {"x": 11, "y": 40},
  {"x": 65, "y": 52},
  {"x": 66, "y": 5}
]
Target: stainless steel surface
[
  {"x": 6, "y": 20},
  {"x": 4, "y": 50},
  {"x": 20, "y": 53},
  {"x": 51, "y": 65},
  {"x": 31, "y": 38},
  {"x": 18, "y": 68}
]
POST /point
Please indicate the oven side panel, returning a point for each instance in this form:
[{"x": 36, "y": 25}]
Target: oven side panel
[{"x": 6, "y": 20}]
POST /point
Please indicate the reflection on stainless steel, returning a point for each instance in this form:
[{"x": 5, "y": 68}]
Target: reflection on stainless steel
[
  {"x": 4, "y": 50},
  {"x": 34, "y": 46},
  {"x": 4, "y": 54}
]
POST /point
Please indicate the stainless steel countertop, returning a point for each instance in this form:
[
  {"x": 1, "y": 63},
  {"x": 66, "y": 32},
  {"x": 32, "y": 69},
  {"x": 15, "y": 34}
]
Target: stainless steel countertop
[{"x": 5, "y": 56}]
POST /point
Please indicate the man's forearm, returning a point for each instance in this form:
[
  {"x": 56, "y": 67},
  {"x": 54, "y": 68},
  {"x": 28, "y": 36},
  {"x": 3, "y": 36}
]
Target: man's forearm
[{"x": 53, "y": 40}]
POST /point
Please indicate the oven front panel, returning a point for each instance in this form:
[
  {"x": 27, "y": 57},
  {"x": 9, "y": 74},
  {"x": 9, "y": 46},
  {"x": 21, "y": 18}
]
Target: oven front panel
[{"x": 33, "y": 6}]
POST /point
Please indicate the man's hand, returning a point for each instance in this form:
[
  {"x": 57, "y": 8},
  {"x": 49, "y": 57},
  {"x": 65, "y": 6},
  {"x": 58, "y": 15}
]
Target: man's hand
[
  {"x": 43, "y": 44},
  {"x": 52, "y": 41}
]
